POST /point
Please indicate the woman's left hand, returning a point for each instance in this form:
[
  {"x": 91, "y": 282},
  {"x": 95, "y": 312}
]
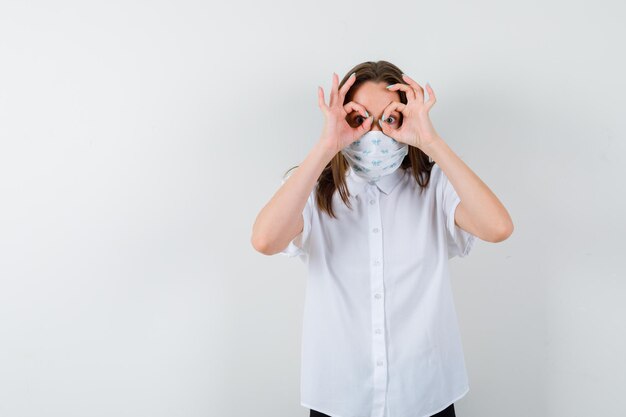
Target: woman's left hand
[{"x": 416, "y": 129}]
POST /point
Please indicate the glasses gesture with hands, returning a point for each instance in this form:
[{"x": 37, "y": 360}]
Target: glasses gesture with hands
[
  {"x": 417, "y": 129},
  {"x": 337, "y": 132}
]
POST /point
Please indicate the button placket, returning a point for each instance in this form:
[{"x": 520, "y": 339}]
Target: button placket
[{"x": 379, "y": 349}]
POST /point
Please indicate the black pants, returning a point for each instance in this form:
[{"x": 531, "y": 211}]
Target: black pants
[{"x": 447, "y": 412}]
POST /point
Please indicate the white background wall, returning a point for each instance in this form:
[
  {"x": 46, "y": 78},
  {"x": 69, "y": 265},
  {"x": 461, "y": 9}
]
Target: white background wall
[{"x": 139, "y": 140}]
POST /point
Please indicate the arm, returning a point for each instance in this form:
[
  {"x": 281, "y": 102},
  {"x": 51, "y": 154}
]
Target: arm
[
  {"x": 479, "y": 212},
  {"x": 280, "y": 220}
]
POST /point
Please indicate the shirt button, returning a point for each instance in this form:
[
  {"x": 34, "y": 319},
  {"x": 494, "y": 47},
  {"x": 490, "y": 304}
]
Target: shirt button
[
  {"x": 377, "y": 262},
  {"x": 377, "y": 295},
  {"x": 372, "y": 201},
  {"x": 378, "y": 331},
  {"x": 379, "y": 363},
  {"x": 375, "y": 230}
]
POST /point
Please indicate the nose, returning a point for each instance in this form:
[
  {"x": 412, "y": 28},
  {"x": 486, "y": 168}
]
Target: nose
[{"x": 375, "y": 125}]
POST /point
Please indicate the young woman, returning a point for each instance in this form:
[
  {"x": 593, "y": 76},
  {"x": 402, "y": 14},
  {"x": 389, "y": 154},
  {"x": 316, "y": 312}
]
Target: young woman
[{"x": 375, "y": 210}]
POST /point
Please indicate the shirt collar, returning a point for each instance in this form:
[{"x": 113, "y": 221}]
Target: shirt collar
[{"x": 385, "y": 184}]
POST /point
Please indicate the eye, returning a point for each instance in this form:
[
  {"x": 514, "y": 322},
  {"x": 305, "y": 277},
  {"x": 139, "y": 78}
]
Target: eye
[
  {"x": 390, "y": 119},
  {"x": 359, "y": 119}
]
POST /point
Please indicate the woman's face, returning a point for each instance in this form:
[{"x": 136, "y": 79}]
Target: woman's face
[{"x": 375, "y": 98}]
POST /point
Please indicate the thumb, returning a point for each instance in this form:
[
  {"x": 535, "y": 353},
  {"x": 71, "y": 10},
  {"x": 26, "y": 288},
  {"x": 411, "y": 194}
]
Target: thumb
[
  {"x": 366, "y": 125},
  {"x": 385, "y": 128}
]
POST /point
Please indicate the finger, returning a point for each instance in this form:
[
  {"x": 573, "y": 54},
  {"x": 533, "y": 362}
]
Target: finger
[
  {"x": 365, "y": 126},
  {"x": 320, "y": 98},
  {"x": 432, "y": 99},
  {"x": 333, "y": 90},
  {"x": 346, "y": 86},
  {"x": 411, "y": 94},
  {"x": 418, "y": 88},
  {"x": 391, "y": 107},
  {"x": 386, "y": 128},
  {"x": 352, "y": 106},
  {"x": 393, "y": 132}
]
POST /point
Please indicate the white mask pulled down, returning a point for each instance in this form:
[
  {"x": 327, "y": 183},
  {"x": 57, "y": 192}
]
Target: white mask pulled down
[{"x": 375, "y": 155}]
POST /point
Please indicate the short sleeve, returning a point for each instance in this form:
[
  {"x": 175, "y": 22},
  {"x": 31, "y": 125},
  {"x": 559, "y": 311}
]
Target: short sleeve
[
  {"x": 459, "y": 241},
  {"x": 299, "y": 244}
]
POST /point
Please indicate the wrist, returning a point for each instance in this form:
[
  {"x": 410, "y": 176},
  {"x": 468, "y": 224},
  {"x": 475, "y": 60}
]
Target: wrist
[
  {"x": 324, "y": 149},
  {"x": 434, "y": 147}
]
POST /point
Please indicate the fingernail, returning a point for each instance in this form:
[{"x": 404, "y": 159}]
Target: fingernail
[
  {"x": 353, "y": 74},
  {"x": 383, "y": 118},
  {"x": 367, "y": 114},
  {"x": 389, "y": 86},
  {"x": 380, "y": 124}
]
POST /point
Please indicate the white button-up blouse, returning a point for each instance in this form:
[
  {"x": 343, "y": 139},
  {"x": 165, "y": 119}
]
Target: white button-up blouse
[{"x": 380, "y": 336}]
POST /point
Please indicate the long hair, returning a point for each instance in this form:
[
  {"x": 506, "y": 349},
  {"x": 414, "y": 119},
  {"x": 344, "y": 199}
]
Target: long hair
[{"x": 333, "y": 176}]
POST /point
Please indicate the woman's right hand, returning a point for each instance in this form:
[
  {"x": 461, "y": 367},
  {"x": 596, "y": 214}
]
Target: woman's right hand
[{"x": 337, "y": 132}]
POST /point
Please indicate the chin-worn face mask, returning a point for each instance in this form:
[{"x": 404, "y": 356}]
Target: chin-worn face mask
[{"x": 375, "y": 155}]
